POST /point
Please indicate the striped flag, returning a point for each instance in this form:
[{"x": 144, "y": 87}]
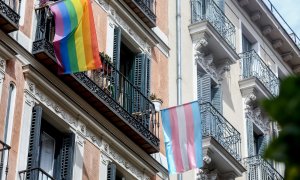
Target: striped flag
[
  {"x": 183, "y": 137},
  {"x": 75, "y": 41}
]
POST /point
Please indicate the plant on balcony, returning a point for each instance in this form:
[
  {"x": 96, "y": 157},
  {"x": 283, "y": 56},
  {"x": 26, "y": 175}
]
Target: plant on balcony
[
  {"x": 156, "y": 101},
  {"x": 284, "y": 109}
]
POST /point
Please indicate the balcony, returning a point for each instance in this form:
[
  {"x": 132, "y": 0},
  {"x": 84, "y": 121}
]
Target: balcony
[
  {"x": 106, "y": 89},
  {"x": 221, "y": 141},
  {"x": 4, "y": 156},
  {"x": 273, "y": 26},
  {"x": 9, "y": 18},
  {"x": 257, "y": 75},
  {"x": 145, "y": 10},
  {"x": 259, "y": 169},
  {"x": 34, "y": 173},
  {"x": 210, "y": 24}
]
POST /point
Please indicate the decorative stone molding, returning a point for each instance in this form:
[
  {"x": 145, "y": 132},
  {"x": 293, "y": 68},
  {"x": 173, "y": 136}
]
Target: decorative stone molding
[
  {"x": 267, "y": 30},
  {"x": 202, "y": 42},
  {"x": 255, "y": 16},
  {"x": 34, "y": 93},
  {"x": 2, "y": 65},
  {"x": 54, "y": 107},
  {"x": 287, "y": 56},
  {"x": 256, "y": 116},
  {"x": 243, "y": 2},
  {"x": 127, "y": 165},
  {"x": 250, "y": 100},
  {"x": 277, "y": 43},
  {"x": 124, "y": 26}
]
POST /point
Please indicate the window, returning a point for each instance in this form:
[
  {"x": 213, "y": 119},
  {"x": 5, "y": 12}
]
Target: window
[
  {"x": 133, "y": 86},
  {"x": 50, "y": 151},
  {"x": 9, "y": 114},
  {"x": 209, "y": 91},
  {"x": 113, "y": 173},
  {"x": 247, "y": 45}
]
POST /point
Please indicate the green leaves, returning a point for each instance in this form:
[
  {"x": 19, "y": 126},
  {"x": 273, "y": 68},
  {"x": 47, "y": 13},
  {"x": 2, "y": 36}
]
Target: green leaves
[{"x": 285, "y": 110}]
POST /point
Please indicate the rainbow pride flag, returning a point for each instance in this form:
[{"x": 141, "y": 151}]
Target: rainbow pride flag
[
  {"x": 183, "y": 137},
  {"x": 75, "y": 41}
]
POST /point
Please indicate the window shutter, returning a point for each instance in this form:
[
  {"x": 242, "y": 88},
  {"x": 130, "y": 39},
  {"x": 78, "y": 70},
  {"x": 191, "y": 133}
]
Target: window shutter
[
  {"x": 250, "y": 135},
  {"x": 217, "y": 98},
  {"x": 116, "y": 60},
  {"x": 138, "y": 79},
  {"x": 147, "y": 77},
  {"x": 262, "y": 143},
  {"x": 220, "y": 4},
  {"x": 66, "y": 157},
  {"x": 205, "y": 88},
  {"x": 111, "y": 171},
  {"x": 34, "y": 142}
]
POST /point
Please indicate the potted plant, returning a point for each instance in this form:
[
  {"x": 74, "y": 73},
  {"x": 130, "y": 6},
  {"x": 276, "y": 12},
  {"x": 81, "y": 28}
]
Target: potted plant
[
  {"x": 156, "y": 101},
  {"x": 106, "y": 62}
]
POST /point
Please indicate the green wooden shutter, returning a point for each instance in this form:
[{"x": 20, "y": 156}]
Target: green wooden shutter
[
  {"x": 205, "y": 88},
  {"x": 250, "y": 137},
  {"x": 262, "y": 143},
  {"x": 66, "y": 157},
  {"x": 138, "y": 80},
  {"x": 34, "y": 142},
  {"x": 111, "y": 171},
  {"x": 147, "y": 77},
  {"x": 217, "y": 98},
  {"x": 116, "y": 61}
]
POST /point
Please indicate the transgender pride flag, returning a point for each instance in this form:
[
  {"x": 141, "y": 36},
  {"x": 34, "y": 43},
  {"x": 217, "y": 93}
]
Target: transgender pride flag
[{"x": 183, "y": 137}]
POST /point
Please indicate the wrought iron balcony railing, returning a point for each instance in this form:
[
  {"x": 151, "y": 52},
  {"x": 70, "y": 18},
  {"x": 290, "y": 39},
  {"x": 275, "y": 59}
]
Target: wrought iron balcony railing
[
  {"x": 282, "y": 22},
  {"x": 34, "y": 174},
  {"x": 127, "y": 106},
  {"x": 119, "y": 88},
  {"x": 260, "y": 169},
  {"x": 145, "y": 9},
  {"x": 208, "y": 10},
  {"x": 9, "y": 17},
  {"x": 253, "y": 66},
  {"x": 4, "y": 156},
  {"x": 216, "y": 126}
]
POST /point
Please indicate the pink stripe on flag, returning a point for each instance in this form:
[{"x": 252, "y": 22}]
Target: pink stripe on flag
[
  {"x": 59, "y": 30},
  {"x": 190, "y": 135},
  {"x": 175, "y": 140}
]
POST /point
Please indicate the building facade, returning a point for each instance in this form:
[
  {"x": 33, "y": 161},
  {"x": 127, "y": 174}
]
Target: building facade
[
  {"x": 234, "y": 54},
  {"x": 91, "y": 125}
]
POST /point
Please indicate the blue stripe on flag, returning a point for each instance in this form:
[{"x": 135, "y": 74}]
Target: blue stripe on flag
[
  {"x": 197, "y": 133},
  {"x": 168, "y": 140}
]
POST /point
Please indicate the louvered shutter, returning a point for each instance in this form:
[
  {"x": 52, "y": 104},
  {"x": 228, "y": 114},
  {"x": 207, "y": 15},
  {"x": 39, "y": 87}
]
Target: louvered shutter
[
  {"x": 205, "y": 88},
  {"x": 34, "y": 142},
  {"x": 204, "y": 96},
  {"x": 111, "y": 171},
  {"x": 66, "y": 157},
  {"x": 116, "y": 61},
  {"x": 217, "y": 98},
  {"x": 250, "y": 137},
  {"x": 138, "y": 80},
  {"x": 220, "y": 4},
  {"x": 262, "y": 143}
]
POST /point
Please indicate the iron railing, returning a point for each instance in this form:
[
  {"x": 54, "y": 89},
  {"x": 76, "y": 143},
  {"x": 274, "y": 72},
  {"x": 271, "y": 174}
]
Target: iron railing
[
  {"x": 260, "y": 169},
  {"x": 253, "y": 66},
  {"x": 282, "y": 22},
  {"x": 109, "y": 79},
  {"x": 35, "y": 174},
  {"x": 7, "y": 6},
  {"x": 208, "y": 10},
  {"x": 216, "y": 126},
  {"x": 118, "y": 87},
  {"x": 4, "y": 157},
  {"x": 148, "y": 7}
]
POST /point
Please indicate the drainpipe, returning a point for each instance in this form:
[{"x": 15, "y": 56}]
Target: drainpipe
[
  {"x": 178, "y": 50},
  {"x": 178, "y": 57}
]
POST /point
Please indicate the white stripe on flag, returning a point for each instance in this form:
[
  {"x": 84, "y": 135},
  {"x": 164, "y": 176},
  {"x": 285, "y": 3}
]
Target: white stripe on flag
[{"x": 182, "y": 136}]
